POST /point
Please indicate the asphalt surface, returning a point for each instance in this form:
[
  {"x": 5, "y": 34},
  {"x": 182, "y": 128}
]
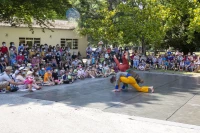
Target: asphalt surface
[{"x": 176, "y": 98}]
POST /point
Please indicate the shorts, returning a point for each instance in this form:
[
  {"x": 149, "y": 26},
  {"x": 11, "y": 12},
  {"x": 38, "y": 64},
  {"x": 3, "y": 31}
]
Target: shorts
[{"x": 4, "y": 84}]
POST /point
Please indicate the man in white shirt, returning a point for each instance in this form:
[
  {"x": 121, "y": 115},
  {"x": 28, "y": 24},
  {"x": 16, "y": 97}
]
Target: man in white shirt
[{"x": 5, "y": 80}]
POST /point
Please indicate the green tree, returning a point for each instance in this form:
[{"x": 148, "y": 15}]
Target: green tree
[
  {"x": 183, "y": 25},
  {"x": 18, "y": 12},
  {"x": 142, "y": 22}
]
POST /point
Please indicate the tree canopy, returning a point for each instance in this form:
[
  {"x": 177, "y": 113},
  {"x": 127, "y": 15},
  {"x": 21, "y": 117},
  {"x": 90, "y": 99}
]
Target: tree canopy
[
  {"x": 18, "y": 12},
  {"x": 152, "y": 23}
]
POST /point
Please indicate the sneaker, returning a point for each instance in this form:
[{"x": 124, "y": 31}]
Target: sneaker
[
  {"x": 3, "y": 91},
  {"x": 152, "y": 89}
]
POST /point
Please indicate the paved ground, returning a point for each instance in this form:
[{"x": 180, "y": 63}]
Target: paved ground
[
  {"x": 89, "y": 106},
  {"x": 176, "y": 98}
]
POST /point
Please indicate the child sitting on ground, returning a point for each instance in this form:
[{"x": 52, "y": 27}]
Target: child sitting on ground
[
  {"x": 48, "y": 80},
  {"x": 65, "y": 78},
  {"x": 141, "y": 67},
  {"x": 55, "y": 77},
  {"x": 29, "y": 80},
  {"x": 81, "y": 73}
]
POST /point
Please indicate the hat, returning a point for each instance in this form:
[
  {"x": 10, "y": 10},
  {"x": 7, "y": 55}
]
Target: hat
[
  {"x": 48, "y": 69},
  {"x": 29, "y": 72},
  {"x": 8, "y": 68},
  {"x": 17, "y": 72},
  {"x": 21, "y": 68}
]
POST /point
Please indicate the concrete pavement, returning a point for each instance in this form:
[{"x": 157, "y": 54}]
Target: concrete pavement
[
  {"x": 90, "y": 106},
  {"x": 24, "y": 115}
]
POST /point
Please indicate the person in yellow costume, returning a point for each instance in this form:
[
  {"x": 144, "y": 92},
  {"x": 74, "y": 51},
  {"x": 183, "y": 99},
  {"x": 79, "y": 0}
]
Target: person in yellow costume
[{"x": 128, "y": 78}]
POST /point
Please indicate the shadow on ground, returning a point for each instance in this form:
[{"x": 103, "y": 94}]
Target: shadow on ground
[{"x": 172, "y": 100}]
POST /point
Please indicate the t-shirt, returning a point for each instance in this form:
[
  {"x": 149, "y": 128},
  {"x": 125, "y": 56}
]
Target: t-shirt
[
  {"x": 4, "y": 77},
  {"x": 20, "y": 78},
  {"x": 47, "y": 76},
  {"x": 58, "y": 59},
  {"x": 20, "y": 58},
  {"x": 48, "y": 58},
  {"x": 118, "y": 75},
  {"x": 4, "y": 50},
  {"x": 55, "y": 76},
  {"x": 169, "y": 53}
]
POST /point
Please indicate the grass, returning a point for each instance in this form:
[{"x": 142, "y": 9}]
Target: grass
[
  {"x": 173, "y": 72},
  {"x": 147, "y": 53}
]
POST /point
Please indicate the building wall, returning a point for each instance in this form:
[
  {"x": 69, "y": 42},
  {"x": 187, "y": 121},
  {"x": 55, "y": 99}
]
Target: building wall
[{"x": 11, "y": 34}]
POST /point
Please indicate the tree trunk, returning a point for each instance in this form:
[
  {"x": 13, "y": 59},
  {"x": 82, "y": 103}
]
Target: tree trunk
[
  {"x": 110, "y": 5},
  {"x": 143, "y": 46},
  {"x": 155, "y": 52}
]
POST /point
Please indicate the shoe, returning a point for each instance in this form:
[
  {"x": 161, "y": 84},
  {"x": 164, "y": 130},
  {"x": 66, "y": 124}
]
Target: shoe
[
  {"x": 3, "y": 91},
  {"x": 152, "y": 89}
]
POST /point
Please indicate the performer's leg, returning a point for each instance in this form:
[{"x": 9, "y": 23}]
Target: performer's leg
[
  {"x": 120, "y": 66},
  {"x": 137, "y": 87},
  {"x": 130, "y": 80}
]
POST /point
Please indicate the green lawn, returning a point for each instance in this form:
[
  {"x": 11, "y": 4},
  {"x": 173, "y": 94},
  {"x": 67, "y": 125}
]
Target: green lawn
[
  {"x": 174, "y": 72},
  {"x": 197, "y": 53}
]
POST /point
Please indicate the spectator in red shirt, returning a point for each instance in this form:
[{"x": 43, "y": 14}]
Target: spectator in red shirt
[
  {"x": 0, "y": 51},
  {"x": 109, "y": 50},
  {"x": 4, "y": 49},
  {"x": 20, "y": 58}
]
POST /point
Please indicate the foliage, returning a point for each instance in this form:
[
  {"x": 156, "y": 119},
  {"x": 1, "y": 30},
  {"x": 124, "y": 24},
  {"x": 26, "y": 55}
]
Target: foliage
[
  {"x": 183, "y": 25},
  {"x": 18, "y": 12},
  {"x": 150, "y": 23}
]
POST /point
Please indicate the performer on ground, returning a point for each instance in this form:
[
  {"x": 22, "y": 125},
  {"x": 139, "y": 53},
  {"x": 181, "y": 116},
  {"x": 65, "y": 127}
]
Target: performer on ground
[{"x": 131, "y": 79}]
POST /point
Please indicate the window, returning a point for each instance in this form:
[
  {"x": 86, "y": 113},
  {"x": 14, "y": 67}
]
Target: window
[
  {"x": 71, "y": 43},
  {"x": 75, "y": 44},
  {"x": 29, "y": 41},
  {"x": 22, "y": 40}
]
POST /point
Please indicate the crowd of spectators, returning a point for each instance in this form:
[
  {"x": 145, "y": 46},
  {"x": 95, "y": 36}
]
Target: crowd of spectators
[
  {"x": 44, "y": 64},
  {"x": 49, "y": 65},
  {"x": 168, "y": 61}
]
